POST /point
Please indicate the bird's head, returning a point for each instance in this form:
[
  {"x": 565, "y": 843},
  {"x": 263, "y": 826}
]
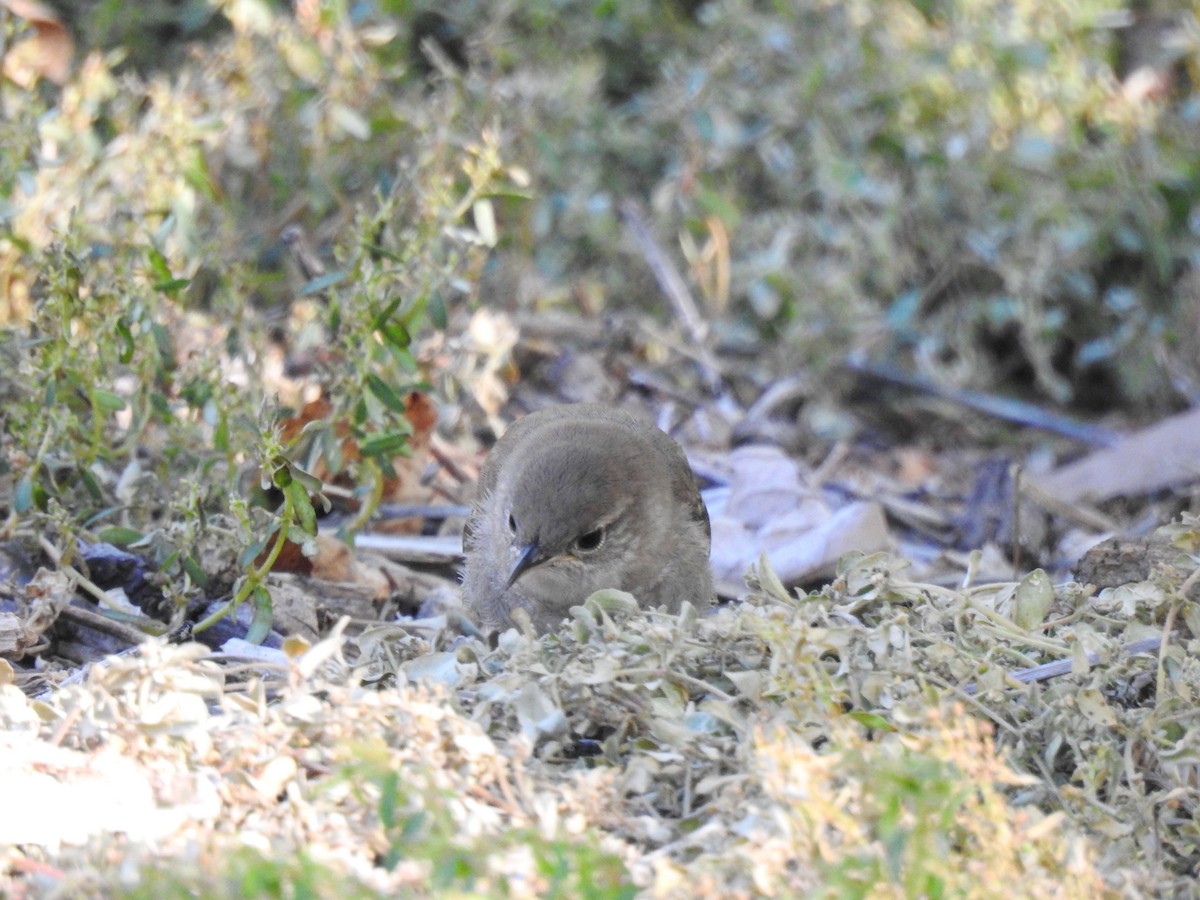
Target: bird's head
[{"x": 577, "y": 515}]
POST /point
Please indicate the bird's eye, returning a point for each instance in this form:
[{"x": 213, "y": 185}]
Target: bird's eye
[
  {"x": 590, "y": 540},
  {"x": 512, "y": 523}
]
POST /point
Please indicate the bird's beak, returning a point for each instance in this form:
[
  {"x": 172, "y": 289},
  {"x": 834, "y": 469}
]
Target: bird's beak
[{"x": 531, "y": 555}]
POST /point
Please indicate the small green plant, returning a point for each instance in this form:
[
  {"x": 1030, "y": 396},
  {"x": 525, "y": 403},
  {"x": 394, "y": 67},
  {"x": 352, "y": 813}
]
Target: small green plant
[
  {"x": 138, "y": 405},
  {"x": 249, "y": 873},
  {"x": 420, "y": 828}
]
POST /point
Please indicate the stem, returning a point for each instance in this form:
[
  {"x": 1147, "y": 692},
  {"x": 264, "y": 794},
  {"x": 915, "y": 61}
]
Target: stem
[
  {"x": 1160, "y": 675},
  {"x": 372, "y": 501},
  {"x": 11, "y": 522},
  {"x": 97, "y": 427},
  {"x": 256, "y": 575},
  {"x": 1010, "y": 628},
  {"x": 678, "y": 678}
]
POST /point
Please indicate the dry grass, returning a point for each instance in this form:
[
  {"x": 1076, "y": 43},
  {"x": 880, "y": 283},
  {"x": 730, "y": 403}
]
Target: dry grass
[{"x": 815, "y": 745}]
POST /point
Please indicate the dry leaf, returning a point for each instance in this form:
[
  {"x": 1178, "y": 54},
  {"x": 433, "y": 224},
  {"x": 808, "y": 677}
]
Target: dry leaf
[{"x": 48, "y": 53}]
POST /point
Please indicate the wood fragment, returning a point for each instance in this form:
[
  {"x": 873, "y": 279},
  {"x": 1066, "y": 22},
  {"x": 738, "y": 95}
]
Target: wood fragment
[
  {"x": 1018, "y": 411},
  {"x": 1159, "y": 456},
  {"x": 1046, "y": 671},
  {"x": 412, "y": 547}
]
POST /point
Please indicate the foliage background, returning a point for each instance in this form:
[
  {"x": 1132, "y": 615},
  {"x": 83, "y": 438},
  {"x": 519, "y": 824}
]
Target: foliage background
[{"x": 969, "y": 189}]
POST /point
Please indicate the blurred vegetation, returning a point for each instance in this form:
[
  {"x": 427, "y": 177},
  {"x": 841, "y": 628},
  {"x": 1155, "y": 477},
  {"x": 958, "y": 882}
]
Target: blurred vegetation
[
  {"x": 966, "y": 189},
  {"x": 961, "y": 187},
  {"x": 145, "y": 278},
  {"x": 970, "y": 189}
]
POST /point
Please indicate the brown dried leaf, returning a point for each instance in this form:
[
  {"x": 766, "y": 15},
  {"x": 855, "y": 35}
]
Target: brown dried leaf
[{"x": 47, "y": 54}]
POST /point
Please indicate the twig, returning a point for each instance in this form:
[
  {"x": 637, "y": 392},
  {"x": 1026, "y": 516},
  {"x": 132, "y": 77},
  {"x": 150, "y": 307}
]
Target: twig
[
  {"x": 999, "y": 407},
  {"x": 81, "y": 581},
  {"x": 676, "y": 291},
  {"x": 1015, "y": 471},
  {"x": 437, "y": 511},
  {"x": 1160, "y": 675},
  {"x": 445, "y": 459},
  {"x": 678, "y": 678},
  {"x": 1059, "y": 667},
  {"x": 1073, "y": 512},
  {"x": 98, "y": 622}
]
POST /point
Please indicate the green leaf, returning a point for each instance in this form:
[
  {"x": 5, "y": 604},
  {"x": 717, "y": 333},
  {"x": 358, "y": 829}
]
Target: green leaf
[
  {"x": 407, "y": 363},
  {"x": 196, "y": 174},
  {"x": 319, "y": 284},
  {"x": 255, "y": 548},
  {"x": 331, "y": 450},
  {"x": 311, "y": 482},
  {"x": 197, "y": 392},
  {"x": 385, "y": 314},
  {"x": 281, "y": 472},
  {"x": 872, "y": 721},
  {"x": 172, "y": 285},
  {"x": 306, "y": 516},
  {"x": 395, "y": 334},
  {"x": 438, "y": 315},
  {"x": 509, "y": 194},
  {"x": 23, "y": 495},
  {"x": 719, "y": 205},
  {"x": 158, "y": 264},
  {"x": 1033, "y": 598},
  {"x": 119, "y": 535},
  {"x": 195, "y": 572},
  {"x": 108, "y": 401},
  {"x": 384, "y": 393},
  {"x": 161, "y": 405},
  {"x": 90, "y": 482},
  {"x": 166, "y": 350},
  {"x": 127, "y": 344},
  {"x": 388, "y": 793},
  {"x": 260, "y": 623},
  {"x": 93, "y": 521},
  {"x": 306, "y": 541},
  {"x": 386, "y": 444},
  {"x": 377, "y": 250}
]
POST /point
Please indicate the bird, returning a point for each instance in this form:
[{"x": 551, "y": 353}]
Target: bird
[{"x": 579, "y": 497}]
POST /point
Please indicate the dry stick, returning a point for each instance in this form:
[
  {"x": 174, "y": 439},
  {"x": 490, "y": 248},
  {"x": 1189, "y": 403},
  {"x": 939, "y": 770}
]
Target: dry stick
[
  {"x": 446, "y": 460},
  {"x": 1063, "y": 666},
  {"x": 1160, "y": 674},
  {"x": 1072, "y": 512},
  {"x": 80, "y": 616},
  {"x": 676, "y": 290},
  {"x": 97, "y": 622},
  {"x": 1190, "y": 582},
  {"x": 678, "y": 677},
  {"x": 787, "y": 389},
  {"x": 437, "y": 511},
  {"x": 1014, "y": 472},
  {"x": 1018, "y": 411},
  {"x": 830, "y": 464},
  {"x": 1047, "y": 671},
  {"x": 66, "y": 724}
]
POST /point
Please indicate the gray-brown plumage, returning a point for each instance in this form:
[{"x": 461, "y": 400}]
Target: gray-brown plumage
[{"x": 577, "y": 498}]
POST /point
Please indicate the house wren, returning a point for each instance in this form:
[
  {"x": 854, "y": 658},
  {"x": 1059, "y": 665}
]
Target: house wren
[{"x": 577, "y": 498}]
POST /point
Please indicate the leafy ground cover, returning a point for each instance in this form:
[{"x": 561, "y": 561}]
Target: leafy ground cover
[{"x": 231, "y": 264}]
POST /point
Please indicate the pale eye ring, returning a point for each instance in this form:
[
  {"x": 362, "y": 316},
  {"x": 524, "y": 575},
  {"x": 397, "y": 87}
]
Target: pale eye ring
[{"x": 590, "y": 541}]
